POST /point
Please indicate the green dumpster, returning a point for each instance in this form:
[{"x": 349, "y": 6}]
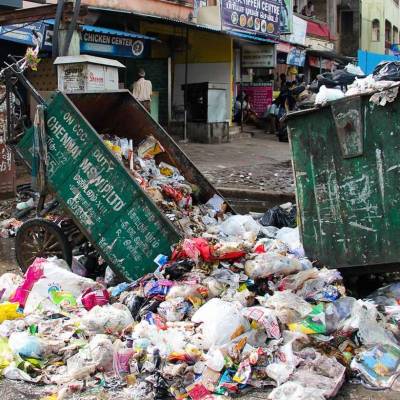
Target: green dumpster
[{"x": 346, "y": 161}]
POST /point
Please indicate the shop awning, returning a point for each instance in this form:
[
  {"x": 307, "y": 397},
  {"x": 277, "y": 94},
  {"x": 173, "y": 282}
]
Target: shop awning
[
  {"x": 109, "y": 31},
  {"x": 319, "y": 29},
  {"x": 95, "y": 40},
  {"x": 330, "y": 55}
]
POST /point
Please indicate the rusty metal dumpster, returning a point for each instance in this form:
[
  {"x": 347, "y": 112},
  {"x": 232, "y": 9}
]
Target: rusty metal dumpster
[
  {"x": 347, "y": 173},
  {"x": 105, "y": 202}
]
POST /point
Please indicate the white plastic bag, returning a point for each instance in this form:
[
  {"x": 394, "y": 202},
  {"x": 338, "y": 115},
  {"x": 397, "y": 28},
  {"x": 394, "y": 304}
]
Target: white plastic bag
[
  {"x": 354, "y": 69},
  {"x": 221, "y": 320},
  {"x": 58, "y": 278},
  {"x": 291, "y": 237},
  {"x": 296, "y": 391},
  {"x": 8, "y": 283},
  {"x": 243, "y": 226},
  {"x": 112, "y": 318},
  {"x": 289, "y": 307},
  {"x": 267, "y": 264},
  {"x": 325, "y": 95}
]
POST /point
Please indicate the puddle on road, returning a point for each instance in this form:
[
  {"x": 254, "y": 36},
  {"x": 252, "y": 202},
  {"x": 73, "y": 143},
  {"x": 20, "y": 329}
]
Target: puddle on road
[{"x": 7, "y": 258}]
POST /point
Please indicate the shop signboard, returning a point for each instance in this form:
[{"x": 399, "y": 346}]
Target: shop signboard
[
  {"x": 106, "y": 44},
  {"x": 255, "y": 17},
  {"x": 260, "y": 96},
  {"x": 258, "y": 56},
  {"x": 323, "y": 63},
  {"x": 118, "y": 46},
  {"x": 299, "y": 32},
  {"x": 296, "y": 57},
  {"x": 286, "y": 17},
  {"x": 22, "y": 33}
]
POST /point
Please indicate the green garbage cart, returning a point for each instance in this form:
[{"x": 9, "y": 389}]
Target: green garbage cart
[
  {"x": 346, "y": 161},
  {"x": 95, "y": 189}
]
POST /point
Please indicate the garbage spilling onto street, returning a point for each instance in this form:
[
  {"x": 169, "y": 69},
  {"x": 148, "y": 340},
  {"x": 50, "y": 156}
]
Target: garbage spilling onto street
[{"x": 235, "y": 306}]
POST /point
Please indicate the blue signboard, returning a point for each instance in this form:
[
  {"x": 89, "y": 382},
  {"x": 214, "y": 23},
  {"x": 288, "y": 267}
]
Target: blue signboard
[
  {"x": 296, "y": 57},
  {"x": 117, "y": 46},
  {"x": 103, "y": 41},
  {"x": 253, "y": 17},
  {"x": 22, "y": 33}
]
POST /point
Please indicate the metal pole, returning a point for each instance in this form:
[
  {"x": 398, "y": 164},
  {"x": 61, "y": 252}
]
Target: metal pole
[
  {"x": 241, "y": 89},
  {"x": 185, "y": 100}
]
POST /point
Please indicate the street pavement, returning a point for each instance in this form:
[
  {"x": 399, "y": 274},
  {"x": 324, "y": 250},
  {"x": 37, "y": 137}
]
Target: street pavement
[{"x": 257, "y": 163}]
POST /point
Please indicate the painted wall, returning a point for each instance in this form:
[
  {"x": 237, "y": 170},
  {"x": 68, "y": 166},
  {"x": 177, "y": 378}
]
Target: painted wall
[
  {"x": 164, "y": 8},
  {"x": 210, "y": 57},
  {"x": 368, "y": 61},
  {"x": 381, "y": 10}
]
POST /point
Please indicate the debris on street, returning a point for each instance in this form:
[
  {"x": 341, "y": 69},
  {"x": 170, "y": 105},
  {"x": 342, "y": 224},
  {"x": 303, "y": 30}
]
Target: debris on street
[{"x": 235, "y": 306}]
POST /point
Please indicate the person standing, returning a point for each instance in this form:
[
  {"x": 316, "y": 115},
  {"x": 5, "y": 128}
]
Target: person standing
[
  {"x": 142, "y": 89},
  {"x": 308, "y": 9}
]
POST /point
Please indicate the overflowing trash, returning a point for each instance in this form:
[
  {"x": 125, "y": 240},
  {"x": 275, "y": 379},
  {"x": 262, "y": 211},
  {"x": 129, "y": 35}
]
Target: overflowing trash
[
  {"x": 343, "y": 83},
  {"x": 235, "y": 306}
]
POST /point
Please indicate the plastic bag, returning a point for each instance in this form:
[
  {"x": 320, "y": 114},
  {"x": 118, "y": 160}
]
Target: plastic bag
[
  {"x": 222, "y": 321},
  {"x": 108, "y": 318},
  {"x": 243, "y": 226},
  {"x": 387, "y": 71},
  {"x": 265, "y": 317},
  {"x": 291, "y": 237},
  {"x": 279, "y": 218},
  {"x": 24, "y": 344},
  {"x": 313, "y": 323},
  {"x": 174, "y": 309},
  {"x": 8, "y": 284},
  {"x": 325, "y": 95},
  {"x": 354, "y": 69},
  {"x": 9, "y": 311},
  {"x": 32, "y": 275},
  {"x": 149, "y": 148},
  {"x": 289, "y": 307},
  {"x": 6, "y": 354},
  {"x": 294, "y": 282},
  {"x": 267, "y": 264},
  {"x": 385, "y": 296},
  {"x": 58, "y": 286},
  {"x": 102, "y": 350},
  {"x": 91, "y": 298}
]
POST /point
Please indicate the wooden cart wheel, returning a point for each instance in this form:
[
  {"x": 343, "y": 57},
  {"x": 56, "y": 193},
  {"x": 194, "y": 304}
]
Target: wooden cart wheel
[{"x": 40, "y": 238}]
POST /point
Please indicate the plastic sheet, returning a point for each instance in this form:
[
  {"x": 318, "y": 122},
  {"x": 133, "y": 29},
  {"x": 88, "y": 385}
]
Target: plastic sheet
[{"x": 387, "y": 71}]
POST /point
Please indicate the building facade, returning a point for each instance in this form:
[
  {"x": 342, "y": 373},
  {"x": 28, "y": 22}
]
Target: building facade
[{"x": 380, "y": 25}]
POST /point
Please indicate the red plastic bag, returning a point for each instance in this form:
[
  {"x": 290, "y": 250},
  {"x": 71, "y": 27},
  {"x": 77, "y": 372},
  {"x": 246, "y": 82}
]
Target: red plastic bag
[{"x": 91, "y": 298}]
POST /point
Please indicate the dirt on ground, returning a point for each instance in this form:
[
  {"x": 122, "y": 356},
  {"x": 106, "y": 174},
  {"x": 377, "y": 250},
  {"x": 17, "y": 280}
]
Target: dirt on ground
[{"x": 260, "y": 162}]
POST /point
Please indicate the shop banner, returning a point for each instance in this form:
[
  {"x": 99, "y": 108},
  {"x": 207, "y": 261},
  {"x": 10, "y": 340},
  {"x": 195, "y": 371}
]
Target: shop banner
[
  {"x": 322, "y": 63},
  {"x": 260, "y": 96},
  {"x": 299, "y": 32},
  {"x": 263, "y": 56},
  {"x": 296, "y": 57},
  {"x": 117, "y": 46},
  {"x": 255, "y": 17},
  {"x": 22, "y": 33},
  {"x": 286, "y": 17},
  {"x": 105, "y": 44}
]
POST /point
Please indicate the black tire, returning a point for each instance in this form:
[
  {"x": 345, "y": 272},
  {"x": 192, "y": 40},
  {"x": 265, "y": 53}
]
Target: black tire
[{"x": 40, "y": 238}]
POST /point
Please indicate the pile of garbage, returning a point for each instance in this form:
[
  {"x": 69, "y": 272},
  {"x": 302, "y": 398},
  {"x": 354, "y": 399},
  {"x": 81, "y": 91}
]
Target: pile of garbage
[
  {"x": 235, "y": 307},
  {"x": 383, "y": 81}
]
